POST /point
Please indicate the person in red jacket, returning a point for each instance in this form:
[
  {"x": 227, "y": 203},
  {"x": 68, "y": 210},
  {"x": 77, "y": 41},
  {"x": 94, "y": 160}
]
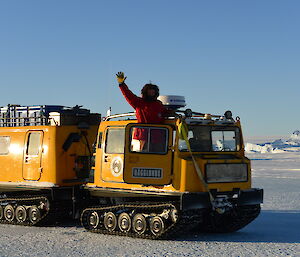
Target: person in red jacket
[{"x": 148, "y": 110}]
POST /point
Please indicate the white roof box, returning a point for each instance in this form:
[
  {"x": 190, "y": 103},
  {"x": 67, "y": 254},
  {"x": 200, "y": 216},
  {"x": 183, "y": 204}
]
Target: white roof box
[{"x": 172, "y": 101}]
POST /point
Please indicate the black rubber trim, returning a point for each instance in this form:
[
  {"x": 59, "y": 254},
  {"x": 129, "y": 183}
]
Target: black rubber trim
[
  {"x": 189, "y": 201},
  {"x": 251, "y": 196}
]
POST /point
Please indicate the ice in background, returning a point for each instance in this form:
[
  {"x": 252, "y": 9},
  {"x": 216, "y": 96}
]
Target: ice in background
[
  {"x": 292, "y": 144},
  {"x": 276, "y": 168}
]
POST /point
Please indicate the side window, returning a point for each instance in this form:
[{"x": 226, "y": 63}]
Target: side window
[
  {"x": 100, "y": 140},
  {"x": 33, "y": 143},
  {"x": 149, "y": 140},
  {"x": 4, "y": 145},
  {"x": 115, "y": 139}
]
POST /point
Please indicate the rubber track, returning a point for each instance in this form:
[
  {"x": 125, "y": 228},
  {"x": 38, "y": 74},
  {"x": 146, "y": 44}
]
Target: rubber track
[
  {"x": 25, "y": 200},
  {"x": 184, "y": 221},
  {"x": 237, "y": 219}
]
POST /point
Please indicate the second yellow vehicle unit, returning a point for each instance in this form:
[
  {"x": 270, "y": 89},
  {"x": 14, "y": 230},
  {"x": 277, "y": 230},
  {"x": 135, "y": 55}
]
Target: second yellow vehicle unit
[{"x": 45, "y": 154}]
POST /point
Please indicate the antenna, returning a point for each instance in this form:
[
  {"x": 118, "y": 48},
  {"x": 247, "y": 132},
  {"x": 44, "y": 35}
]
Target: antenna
[{"x": 108, "y": 113}]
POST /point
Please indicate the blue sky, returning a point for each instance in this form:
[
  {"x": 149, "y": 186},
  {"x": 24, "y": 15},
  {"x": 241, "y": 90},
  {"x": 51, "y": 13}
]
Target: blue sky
[{"x": 237, "y": 55}]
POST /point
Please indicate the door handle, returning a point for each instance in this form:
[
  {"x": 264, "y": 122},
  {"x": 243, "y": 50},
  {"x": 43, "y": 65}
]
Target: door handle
[
  {"x": 27, "y": 159},
  {"x": 106, "y": 158}
]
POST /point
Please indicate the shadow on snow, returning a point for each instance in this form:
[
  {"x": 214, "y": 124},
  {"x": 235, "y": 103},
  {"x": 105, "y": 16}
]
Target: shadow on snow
[{"x": 269, "y": 227}]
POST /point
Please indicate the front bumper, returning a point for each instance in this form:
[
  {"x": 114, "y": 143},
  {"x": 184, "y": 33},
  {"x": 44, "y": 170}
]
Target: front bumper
[{"x": 190, "y": 201}]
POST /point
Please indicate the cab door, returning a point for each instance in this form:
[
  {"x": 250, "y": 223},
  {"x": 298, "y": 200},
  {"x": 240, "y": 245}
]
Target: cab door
[
  {"x": 148, "y": 154},
  {"x": 113, "y": 154},
  {"x": 32, "y": 162}
]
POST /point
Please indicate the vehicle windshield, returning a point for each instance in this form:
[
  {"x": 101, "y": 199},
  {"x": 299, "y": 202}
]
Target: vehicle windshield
[{"x": 212, "y": 139}]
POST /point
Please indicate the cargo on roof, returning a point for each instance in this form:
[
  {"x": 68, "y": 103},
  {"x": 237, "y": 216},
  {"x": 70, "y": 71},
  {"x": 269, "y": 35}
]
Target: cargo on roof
[{"x": 38, "y": 115}]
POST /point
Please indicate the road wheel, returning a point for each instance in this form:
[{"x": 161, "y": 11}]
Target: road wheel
[
  {"x": 110, "y": 221},
  {"x": 94, "y": 219},
  {"x": 124, "y": 222},
  {"x": 34, "y": 214},
  {"x": 1, "y": 212},
  {"x": 9, "y": 213},
  {"x": 157, "y": 226},
  {"x": 139, "y": 224},
  {"x": 21, "y": 213}
]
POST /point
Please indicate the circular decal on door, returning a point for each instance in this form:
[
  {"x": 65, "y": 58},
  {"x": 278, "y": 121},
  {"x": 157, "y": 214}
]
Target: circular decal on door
[{"x": 116, "y": 166}]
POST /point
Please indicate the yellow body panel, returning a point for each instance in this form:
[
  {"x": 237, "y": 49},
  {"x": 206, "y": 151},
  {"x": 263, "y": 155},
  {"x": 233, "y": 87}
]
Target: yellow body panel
[
  {"x": 46, "y": 163},
  {"x": 182, "y": 176}
]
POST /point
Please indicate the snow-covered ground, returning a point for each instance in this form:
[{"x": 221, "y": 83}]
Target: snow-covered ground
[{"x": 276, "y": 232}]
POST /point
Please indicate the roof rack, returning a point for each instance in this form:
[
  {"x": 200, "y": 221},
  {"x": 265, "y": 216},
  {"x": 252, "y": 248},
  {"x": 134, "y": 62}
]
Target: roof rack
[
  {"x": 39, "y": 115},
  {"x": 188, "y": 113},
  {"x": 23, "y": 121},
  {"x": 121, "y": 115}
]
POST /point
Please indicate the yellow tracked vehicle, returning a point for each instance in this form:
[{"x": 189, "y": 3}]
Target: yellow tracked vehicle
[
  {"x": 44, "y": 156},
  {"x": 188, "y": 173}
]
